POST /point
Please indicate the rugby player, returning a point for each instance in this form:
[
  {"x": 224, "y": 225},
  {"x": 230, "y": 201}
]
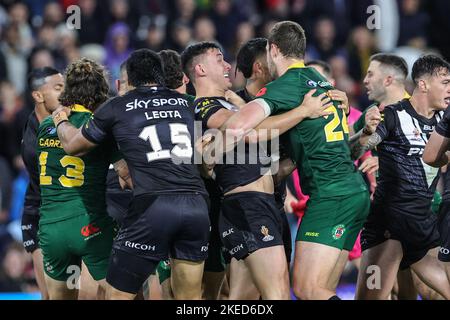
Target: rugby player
[
  {"x": 153, "y": 127},
  {"x": 385, "y": 82},
  {"x": 74, "y": 226},
  {"x": 401, "y": 228},
  {"x": 249, "y": 224},
  {"x": 46, "y": 85},
  {"x": 436, "y": 155},
  {"x": 320, "y": 149}
]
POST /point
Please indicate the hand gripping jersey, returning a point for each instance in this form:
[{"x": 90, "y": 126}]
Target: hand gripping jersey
[
  {"x": 246, "y": 166},
  {"x": 319, "y": 146},
  {"x": 403, "y": 176},
  {"x": 154, "y": 128},
  {"x": 71, "y": 186}
]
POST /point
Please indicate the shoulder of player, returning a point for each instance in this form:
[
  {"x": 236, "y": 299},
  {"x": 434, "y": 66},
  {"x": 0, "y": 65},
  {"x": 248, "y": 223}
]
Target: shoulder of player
[
  {"x": 204, "y": 103},
  {"x": 46, "y": 123}
]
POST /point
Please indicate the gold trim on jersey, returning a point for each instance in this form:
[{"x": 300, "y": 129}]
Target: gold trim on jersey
[
  {"x": 299, "y": 64},
  {"x": 80, "y": 108}
]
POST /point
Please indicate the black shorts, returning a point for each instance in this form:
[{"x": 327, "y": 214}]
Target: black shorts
[
  {"x": 215, "y": 261},
  {"x": 158, "y": 226},
  {"x": 444, "y": 230},
  {"x": 418, "y": 233},
  {"x": 286, "y": 233},
  {"x": 117, "y": 204},
  {"x": 250, "y": 221},
  {"x": 30, "y": 228}
]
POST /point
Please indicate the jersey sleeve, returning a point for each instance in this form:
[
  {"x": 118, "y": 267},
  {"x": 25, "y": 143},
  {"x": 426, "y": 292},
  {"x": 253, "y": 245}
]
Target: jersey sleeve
[
  {"x": 279, "y": 96},
  {"x": 360, "y": 123},
  {"x": 387, "y": 124},
  {"x": 99, "y": 126},
  {"x": 204, "y": 109},
  {"x": 443, "y": 127}
]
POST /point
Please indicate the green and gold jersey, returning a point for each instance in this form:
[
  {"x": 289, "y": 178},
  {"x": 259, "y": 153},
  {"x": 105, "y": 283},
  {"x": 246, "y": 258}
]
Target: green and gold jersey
[
  {"x": 318, "y": 146},
  {"x": 71, "y": 186}
]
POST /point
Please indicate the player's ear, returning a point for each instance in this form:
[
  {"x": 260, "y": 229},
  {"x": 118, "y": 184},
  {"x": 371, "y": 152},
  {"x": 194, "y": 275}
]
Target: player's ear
[
  {"x": 200, "y": 70},
  {"x": 274, "y": 50},
  {"x": 185, "y": 78},
  {"x": 37, "y": 96},
  {"x": 422, "y": 85},
  {"x": 256, "y": 68},
  {"x": 388, "y": 81}
]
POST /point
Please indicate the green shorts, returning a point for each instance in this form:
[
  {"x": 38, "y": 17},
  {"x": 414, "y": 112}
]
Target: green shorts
[
  {"x": 335, "y": 222},
  {"x": 85, "y": 237}
]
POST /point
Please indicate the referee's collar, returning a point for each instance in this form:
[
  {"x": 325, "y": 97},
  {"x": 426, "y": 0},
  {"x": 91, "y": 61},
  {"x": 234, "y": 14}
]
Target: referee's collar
[{"x": 80, "y": 108}]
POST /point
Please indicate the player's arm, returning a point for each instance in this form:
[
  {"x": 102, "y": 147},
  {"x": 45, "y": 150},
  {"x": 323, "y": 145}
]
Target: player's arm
[
  {"x": 371, "y": 135},
  {"x": 123, "y": 172},
  {"x": 286, "y": 167},
  {"x": 72, "y": 140},
  {"x": 436, "y": 150},
  {"x": 311, "y": 108},
  {"x": 435, "y": 153}
]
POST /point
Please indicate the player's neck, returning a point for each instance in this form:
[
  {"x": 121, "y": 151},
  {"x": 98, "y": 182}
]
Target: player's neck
[
  {"x": 393, "y": 96},
  {"x": 420, "y": 103},
  {"x": 209, "y": 90},
  {"x": 253, "y": 87},
  {"x": 41, "y": 112},
  {"x": 284, "y": 64}
]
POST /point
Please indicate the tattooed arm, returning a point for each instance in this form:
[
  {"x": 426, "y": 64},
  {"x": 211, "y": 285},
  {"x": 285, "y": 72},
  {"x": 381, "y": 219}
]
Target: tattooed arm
[
  {"x": 368, "y": 138},
  {"x": 362, "y": 142}
]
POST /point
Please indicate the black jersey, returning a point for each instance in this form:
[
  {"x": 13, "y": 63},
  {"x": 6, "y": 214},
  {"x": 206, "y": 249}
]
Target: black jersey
[
  {"x": 29, "y": 156},
  {"x": 239, "y": 166},
  {"x": 443, "y": 129},
  {"x": 404, "y": 179},
  {"x": 280, "y": 186},
  {"x": 154, "y": 128},
  {"x": 245, "y": 95}
]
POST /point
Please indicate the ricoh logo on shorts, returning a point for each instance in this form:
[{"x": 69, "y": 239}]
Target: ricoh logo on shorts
[
  {"x": 26, "y": 227},
  {"x": 444, "y": 251},
  {"x": 227, "y": 233},
  {"x": 28, "y": 243},
  {"x": 236, "y": 249},
  {"x": 139, "y": 246}
]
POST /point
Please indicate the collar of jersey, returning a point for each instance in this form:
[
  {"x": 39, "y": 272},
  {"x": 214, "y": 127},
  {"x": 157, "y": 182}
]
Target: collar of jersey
[
  {"x": 297, "y": 65},
  {"x": 80, "y": 108},
  {"x": 406, "y": 96}
]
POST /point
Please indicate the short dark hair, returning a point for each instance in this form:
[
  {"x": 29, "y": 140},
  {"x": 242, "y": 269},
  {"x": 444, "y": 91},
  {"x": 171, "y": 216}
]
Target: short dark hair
[
  {"x": 193, "y": 51},
  {"x": 85, "y": 84},
  {"x": 173, "y": 71},
  {"x": 325, "y": 66},
  {"x": 144, "y": 66},
  {"x": 37, "y": 77},
  {"x": 248, "y": 53},
  {"x": 289, "y": 37},
  {"x": 428, "y": 65},
  {"x": 393, "y": 61}
]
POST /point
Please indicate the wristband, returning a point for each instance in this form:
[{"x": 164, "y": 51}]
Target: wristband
[{"x": 59, "y": 118}]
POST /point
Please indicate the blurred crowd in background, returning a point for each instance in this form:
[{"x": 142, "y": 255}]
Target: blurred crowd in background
[{"x": 34, "y": 33}]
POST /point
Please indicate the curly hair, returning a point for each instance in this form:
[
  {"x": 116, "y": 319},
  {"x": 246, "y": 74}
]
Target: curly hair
[{"x": 85, "y": 84}]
